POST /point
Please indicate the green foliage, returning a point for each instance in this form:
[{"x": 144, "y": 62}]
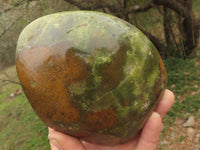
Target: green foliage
[
  {"x": 196, "y": 4},
  {"x": 181, "y": 138},
  {"x": 20, "y": 128},
  {"x": 183, "y": 80},
  {"x": 182, "y": 75}
]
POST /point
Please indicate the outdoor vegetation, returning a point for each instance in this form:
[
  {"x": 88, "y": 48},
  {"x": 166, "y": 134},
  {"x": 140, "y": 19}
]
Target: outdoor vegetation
[{"x": 172, "y": 25}]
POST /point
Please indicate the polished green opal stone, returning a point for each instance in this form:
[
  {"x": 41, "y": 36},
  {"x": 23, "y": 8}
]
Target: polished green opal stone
[{"x": 90, "y": 75}]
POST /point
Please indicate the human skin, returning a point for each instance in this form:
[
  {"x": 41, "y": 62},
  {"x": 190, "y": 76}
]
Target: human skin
[{"x": 146, "y": 139}]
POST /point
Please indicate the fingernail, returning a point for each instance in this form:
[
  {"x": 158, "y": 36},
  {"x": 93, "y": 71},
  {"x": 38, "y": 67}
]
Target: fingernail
[
  {"x": 154, "y": 115},
  {"x": 56, "y": 144}
]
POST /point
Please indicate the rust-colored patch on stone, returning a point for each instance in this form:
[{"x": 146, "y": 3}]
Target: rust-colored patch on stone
[
  {"x": 100, "y": 120},
  {"x": 22, "y": 76},
  {"x": 66, "y": 114},
  {"x": 45, "y": 82},
  {"x": 162, "y": 69},
  {"x": 76, "y": 68},
  {"x": 162, "y": 79}
]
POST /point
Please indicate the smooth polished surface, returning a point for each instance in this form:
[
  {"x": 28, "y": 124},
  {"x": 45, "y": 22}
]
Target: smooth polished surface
[{"x": 90, "y": 75}]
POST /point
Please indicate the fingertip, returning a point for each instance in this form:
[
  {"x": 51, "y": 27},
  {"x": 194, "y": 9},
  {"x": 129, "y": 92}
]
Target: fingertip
[
  {"x": 155, "y": 115},
  {"x": 154, "y": 121},
  {"x": 166, "y": 103},
  {"x": 63, "y": 141},
  {"x": 170, "y": 94},
  {"x": 50, "y": 130},
  {"x": 52, "y": 133}
]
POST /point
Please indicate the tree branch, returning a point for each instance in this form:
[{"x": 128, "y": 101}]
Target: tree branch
[
  {"x": 174, "y": 5},
  {"x": 9, "y": 26},
  {"x": 98, "y": 5},
  {"x": 159, "y": 45},
  {"x": 14, "y": 5},
  {"x": 138, "y": 8},
  {"x": 190, "y": 23},
  {"x": 84, "y": 7},
  {"x": 15, "y": 82},
  {"x": 77, "y": 4}
]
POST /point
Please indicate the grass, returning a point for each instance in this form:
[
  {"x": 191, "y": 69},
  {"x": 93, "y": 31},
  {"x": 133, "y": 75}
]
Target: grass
[
  {"x": 184, "y": 81},
  {"x": 20, "y": 127},
  {"x": 196, "y": 4},
  {"x": 181, "y": 138}
]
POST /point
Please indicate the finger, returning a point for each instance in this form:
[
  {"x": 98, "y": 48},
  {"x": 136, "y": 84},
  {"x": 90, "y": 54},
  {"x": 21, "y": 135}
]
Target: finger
[
  {"x": 127, "y": 146},
  {"x": 60, "y": 141},
  {"x": 150, "y": 133},
  {"x": 166, "y": 103}
]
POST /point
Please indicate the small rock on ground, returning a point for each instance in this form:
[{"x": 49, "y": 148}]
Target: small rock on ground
[
  {"x": 189, "y": 122},
  {"x": 191, "y": 132}
]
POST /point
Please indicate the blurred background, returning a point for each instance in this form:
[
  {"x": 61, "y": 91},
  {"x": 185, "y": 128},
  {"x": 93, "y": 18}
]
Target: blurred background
[{"x": 172, "y": 25}]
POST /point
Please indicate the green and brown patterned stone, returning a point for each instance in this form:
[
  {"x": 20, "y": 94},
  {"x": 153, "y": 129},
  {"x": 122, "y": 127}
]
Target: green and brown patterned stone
[{"x": 90, "y": 75}]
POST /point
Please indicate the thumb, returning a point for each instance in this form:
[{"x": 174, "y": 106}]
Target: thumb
[
  {"x": 60, "y": 141},
  {"x": 150, "y": 133}
]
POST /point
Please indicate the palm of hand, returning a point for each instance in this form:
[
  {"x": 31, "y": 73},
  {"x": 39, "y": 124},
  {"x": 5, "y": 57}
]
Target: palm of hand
[{"x": 147, "y": 139}]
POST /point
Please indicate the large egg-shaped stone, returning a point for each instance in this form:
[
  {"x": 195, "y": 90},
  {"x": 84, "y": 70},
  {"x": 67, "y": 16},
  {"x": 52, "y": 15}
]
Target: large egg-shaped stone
[{"x": 90, "y": 75}]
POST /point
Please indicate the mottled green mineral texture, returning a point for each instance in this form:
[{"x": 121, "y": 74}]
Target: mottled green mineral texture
[{"x": 90, "y": 75}]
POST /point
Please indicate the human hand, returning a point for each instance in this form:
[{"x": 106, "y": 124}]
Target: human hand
[{"x": 147, "y": 139}]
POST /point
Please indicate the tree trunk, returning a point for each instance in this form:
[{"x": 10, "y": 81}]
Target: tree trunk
[
  {"x": 166, "y": 25},
  {"x": 190, "y": 24}
]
